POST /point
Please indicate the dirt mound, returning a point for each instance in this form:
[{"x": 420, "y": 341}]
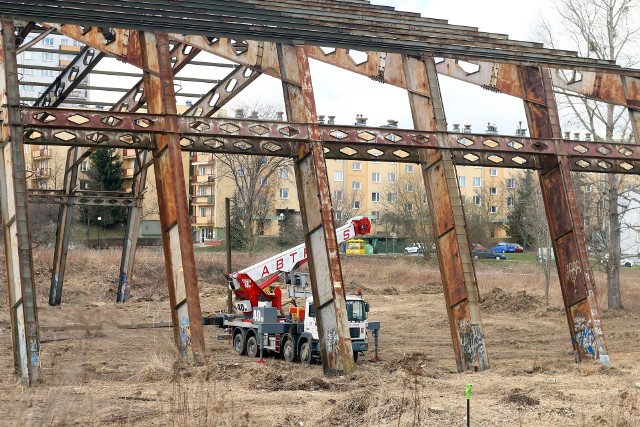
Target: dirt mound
[
  {"x": 498, "y": 300},
  {"x": 427, "y": 288},
  {"x": 520, "y": 398}
]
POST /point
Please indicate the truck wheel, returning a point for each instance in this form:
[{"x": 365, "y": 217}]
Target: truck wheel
[
  {"x": 305, "y": 353},
  {"x": 252, "y": 346},
  {"x": 289, "y": 351},
  {"x": 239, "y": 345}
]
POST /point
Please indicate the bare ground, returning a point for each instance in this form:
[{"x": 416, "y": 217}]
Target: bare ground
[{"x": 97, "y": 373}]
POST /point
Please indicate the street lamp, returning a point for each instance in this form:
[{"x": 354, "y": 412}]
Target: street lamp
[
  {"x": 281, "y": 230},
  {"x": 99, "y": 219}
]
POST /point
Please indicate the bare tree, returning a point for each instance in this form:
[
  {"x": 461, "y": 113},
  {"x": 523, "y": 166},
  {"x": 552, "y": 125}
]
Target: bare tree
[
  {"x": 406, "y": 207},
  {"x": 256, "y": 181},
  {"x": 347, "y": 204},
  {"x": 483, "y": 211},
  {"x": 609, "y": 30}
]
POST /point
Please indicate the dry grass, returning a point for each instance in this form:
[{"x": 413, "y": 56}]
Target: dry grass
[{"x": 133, "y": 376}]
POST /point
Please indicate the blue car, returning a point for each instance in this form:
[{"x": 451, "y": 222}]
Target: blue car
[
  {"x": 485, "y": 253},
  {"x": 504, "y": 248}
]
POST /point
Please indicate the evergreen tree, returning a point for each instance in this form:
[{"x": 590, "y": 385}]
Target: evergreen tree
[
  {"x": 105, "y": 174},
  {"x": 518, "y": 226}
]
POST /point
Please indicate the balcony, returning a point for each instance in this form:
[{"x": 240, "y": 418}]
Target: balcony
[
  {"x": 203, "y": 220},
  {"x": 202, "y": 158},
  {"x": 128, "y": 153},
  {"x": 70, "y": 48},
  {"x": 41, "y": 153},
  {"x": 128, "y": 172},
  {"x": 202, "y": 200},
  {"x": 205, "y": 179},
  {"x": 42, "y": 173}
]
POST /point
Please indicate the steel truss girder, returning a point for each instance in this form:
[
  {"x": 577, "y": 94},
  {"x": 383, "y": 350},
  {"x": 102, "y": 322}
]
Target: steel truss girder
[
  {"x": 317, "y": 216},
  {"x": 15, "y": 218},
  {"x": 69, "y": 78},
  {"x": 82, "y": 197},
  {"x": 565, "y": 226}
]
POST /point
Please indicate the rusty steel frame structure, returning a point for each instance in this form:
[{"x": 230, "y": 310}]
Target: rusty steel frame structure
[{"x": 278, "y": 39}]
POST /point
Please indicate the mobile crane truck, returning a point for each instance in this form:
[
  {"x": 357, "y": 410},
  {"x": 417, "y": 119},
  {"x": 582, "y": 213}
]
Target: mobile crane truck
[{"x": 259, "y": 323}]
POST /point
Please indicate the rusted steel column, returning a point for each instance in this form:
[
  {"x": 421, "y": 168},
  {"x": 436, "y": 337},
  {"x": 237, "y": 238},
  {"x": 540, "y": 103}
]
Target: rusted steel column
[
  {"x": 449, "y": 227},
  {"x": 127, "y": 261},
  {"x": 632, "y": 94},
  {"x": 317, "y": 215},
  {"x": 565, "y": 225},
  {"x": 15, "y": 218},
  {"x": 172, "y": 199},
  {"x": 63, "y": 231}
]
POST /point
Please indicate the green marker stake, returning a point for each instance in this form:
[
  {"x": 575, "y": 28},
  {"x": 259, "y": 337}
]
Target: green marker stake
[{"x": 468, "y": 393}]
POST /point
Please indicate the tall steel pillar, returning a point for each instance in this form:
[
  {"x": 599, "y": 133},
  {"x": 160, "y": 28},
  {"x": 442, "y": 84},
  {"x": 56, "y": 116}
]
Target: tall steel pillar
[
  {"x": 15, "y": 218},
  {"x": 449, "y": 226},
  {"x": 317, "y": 215},
  {"x": 565, "y": 225},
  {"x": 127, "y": 261},
  {"x": 172, "y": 199},
  {"x": 63, "y": 231}
]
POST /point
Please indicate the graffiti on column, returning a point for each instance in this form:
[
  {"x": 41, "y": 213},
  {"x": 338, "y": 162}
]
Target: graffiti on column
[
  {"x": 333, "y": 343},
  {"x": 185, "y": 336},
  {"x": 573, "y": 269},
  {"x": 471, "y": 343}
]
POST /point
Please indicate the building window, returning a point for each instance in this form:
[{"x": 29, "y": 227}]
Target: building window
[
  {"x": 375, "y": 177},
  {"x": 462, "y": 181},
  {"x": 28, "y": 55},
  {"x": 493, "y": 190},
  {"x": 477, "y": 200},
  {"x": 409, "y": 188},
  {"x": 511, "y": 183},
  {"x": 84, "y": 166},
  {"x": 511, "y": 202},
  {"x": 493, "y": 209},
  {"x": 47, "y": 73},
  {"x": 356, "y": 204},
  {"x": 284, "y": 193},
  {"x": 202, "y": 191},
  {"x": 241, "y": 170},
  {"x": 64, "y": 42},
  {"x": 375, "y": 215},
  {"x": 264, "y": 181},
  {"x": 587, "y": 188},
  {"x": 338, "y": 215},
  {"x": 355, "y": 185},
  {"x": 375, "y": 197},
  {"x": 47, "y": 57},
  {"x": 493, "y": 172},
  {"x": 283, "y": 173},
  {"x": 202, "y": 211},
  {"x": 48, "y": 41},
  {"x": 408, "y": 207},
  {"x": 477, "y": 182},
  {"x": 202, "y": 170},
  {"x": 28, "y": 72},
  {"x": 392, "y": 197},
  {"x": 30, "y": 87},
  {"x": 338, "y": 195},
  {"x": 338, "y": 176},
  {"x": 391, "y": 178},
  {"x": 357, "y": 166},
  {"x": 408, "y": 168}
]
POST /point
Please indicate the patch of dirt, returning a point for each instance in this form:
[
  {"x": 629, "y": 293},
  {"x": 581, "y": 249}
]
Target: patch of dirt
[
  {"x": 521, "y": 398},
  {"x": 430, "y": 288}
]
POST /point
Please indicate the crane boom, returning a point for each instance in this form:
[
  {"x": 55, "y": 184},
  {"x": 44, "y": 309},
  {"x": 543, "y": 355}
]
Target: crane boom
[{"x": 244, "y": 282}]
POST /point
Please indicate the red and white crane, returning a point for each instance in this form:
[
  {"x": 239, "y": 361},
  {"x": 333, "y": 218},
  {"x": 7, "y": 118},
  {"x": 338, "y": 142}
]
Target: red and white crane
[{"x": 244, "y": 283}]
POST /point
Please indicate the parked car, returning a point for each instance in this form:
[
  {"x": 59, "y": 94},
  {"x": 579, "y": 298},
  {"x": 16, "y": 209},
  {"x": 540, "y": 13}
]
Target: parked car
[
  {"x": 504, "y": 247},
  {"x": 414, "y": 248},
  {"x": 518, "y": 248},
  {"x": 627, "y": 262},
  {"x": 485, "y": 253},
  {"x": 475, "y": 246}
]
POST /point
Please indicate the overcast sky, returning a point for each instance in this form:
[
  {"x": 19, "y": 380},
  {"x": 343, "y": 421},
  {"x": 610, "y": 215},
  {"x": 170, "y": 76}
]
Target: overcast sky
[{"x": 344, "y": 94}]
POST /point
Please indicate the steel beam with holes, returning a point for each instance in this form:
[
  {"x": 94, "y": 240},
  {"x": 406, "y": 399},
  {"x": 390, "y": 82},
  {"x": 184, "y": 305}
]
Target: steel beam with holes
[
  {"x": 81, "y": 198},
  {"x": 317, "y": 216},
  {"x": 449, "y": 226},
  {"x": 565, "y": 225},
  {"x": 70, "y": 77},
  {"x": 172, "y": 199},
  {"x": 15, "y": 218}
]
